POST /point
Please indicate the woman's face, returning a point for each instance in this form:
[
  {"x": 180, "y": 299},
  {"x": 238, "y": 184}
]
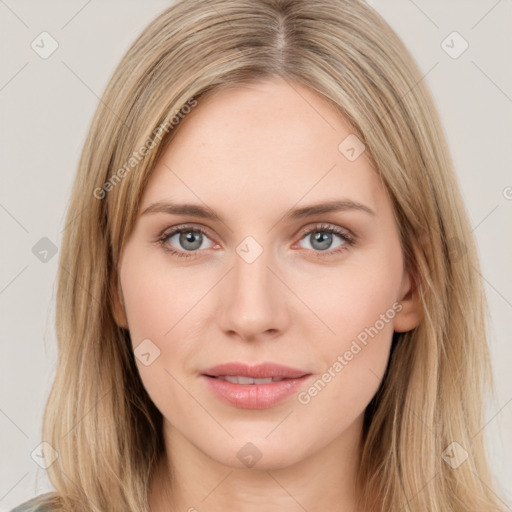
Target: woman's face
[{"x": 266, "y": 281}]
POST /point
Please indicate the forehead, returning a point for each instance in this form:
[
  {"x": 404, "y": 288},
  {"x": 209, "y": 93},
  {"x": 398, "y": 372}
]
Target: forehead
[
  {"x": 255, "y": 114},
  {"x": 270, "y": 142}
]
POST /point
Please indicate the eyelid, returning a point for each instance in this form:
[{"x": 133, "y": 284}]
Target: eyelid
[
  {"x": 321, "y": 226},
  {"x": 301, "y": 232},
  {"x": 170, "y": 231}
]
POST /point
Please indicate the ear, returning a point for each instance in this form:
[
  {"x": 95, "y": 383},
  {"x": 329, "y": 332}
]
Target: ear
[
  {"x": 411, "y": 311},
  {"x": 116, "y": 299}
]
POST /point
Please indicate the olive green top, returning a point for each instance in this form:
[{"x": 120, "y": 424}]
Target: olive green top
[{"x": 30, "y": 506}]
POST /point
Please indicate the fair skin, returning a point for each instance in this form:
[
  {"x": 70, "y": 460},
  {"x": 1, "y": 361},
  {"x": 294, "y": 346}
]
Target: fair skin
[{"x": 251, "y": 155}]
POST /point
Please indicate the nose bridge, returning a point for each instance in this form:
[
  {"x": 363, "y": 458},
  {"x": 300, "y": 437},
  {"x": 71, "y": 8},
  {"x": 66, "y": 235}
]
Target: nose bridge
[
  {"x": 254, "y": 302},
  {"x": 251, "y": 275}
]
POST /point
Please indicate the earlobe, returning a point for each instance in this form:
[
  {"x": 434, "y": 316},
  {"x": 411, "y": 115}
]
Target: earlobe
[{"x": 411, "y": 311}]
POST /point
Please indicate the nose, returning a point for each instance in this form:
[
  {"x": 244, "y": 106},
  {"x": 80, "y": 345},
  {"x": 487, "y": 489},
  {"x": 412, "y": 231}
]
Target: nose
[{"x": 254, "y": 301}]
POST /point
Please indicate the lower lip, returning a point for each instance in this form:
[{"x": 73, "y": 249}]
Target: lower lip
[{"x": 254, "y": 396}]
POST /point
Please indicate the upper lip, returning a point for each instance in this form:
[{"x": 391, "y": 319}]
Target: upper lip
[{"x": 259, "y": 371}]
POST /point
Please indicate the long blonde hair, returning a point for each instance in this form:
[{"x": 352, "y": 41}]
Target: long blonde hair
[{"x": 99, "y": 417}]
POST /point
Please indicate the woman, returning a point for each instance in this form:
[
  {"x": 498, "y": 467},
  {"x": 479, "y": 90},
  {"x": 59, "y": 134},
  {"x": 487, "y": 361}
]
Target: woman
[{"x": 265, "y": 283}]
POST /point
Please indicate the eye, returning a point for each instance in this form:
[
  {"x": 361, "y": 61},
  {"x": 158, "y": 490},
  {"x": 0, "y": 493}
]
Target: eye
[
  {"x": 188, "y": 239},
  {"x": 322, "y": 237}
]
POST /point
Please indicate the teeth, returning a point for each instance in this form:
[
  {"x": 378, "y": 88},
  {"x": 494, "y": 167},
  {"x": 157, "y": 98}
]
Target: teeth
[{"x": 235, "y": 379}]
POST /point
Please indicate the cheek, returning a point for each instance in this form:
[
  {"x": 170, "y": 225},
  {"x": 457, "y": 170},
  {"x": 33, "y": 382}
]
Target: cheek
[
  {"x": 359, "y": 306},
  {"x": 355, "y": 358},
  {"x": 156, "y": 304},
  {"x": 156, "y": 298},
  {"x": 359, "y": 296}
]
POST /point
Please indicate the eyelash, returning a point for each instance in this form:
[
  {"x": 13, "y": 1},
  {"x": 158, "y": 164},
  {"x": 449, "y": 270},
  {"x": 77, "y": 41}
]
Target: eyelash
[{"x": 320, "y": 228}]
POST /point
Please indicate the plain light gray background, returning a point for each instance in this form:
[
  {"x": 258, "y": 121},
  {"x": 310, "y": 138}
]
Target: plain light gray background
[{"x": 46, "y": 106}]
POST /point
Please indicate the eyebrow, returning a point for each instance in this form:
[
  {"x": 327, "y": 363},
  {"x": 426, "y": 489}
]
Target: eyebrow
[{"x": 204, "y": 212}]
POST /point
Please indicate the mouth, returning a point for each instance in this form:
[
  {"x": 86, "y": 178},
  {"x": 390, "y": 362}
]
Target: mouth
[
  {"x": 239, "y": 379},
  {"x": 252, "y": 374},
  {"x": 254, "y": 387}
]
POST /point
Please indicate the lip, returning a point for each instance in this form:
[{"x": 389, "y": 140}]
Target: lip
[
  {"x": 259, "y": 371},
  {"x": 254, "y": 396}
]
